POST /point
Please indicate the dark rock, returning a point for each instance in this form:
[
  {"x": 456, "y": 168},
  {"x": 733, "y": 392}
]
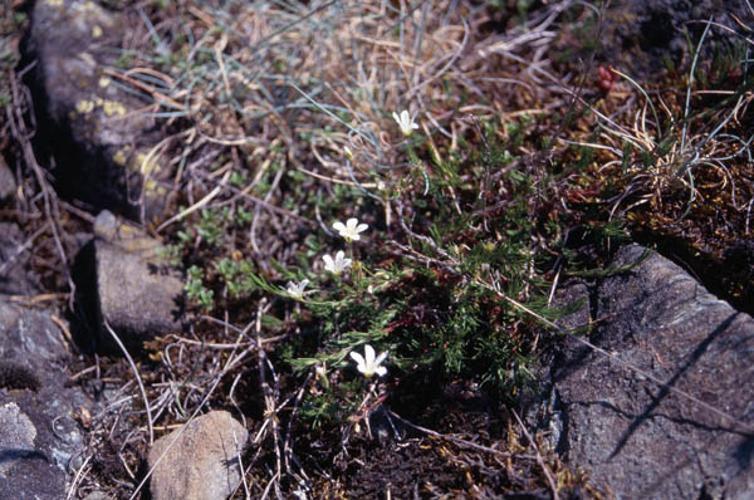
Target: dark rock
[
  {"x": 40, "y": 442},
  {"x": 645, "y": 37},
  {"x": 120, "y": 281},
  {"x": 93, "y": 123},
  {"x": 198, "y": 461},
  {"x": 641, "y": 439},
  {"x": 7, "y": 181},
  {"x": 15, "y": 278},
  {"x": 30, "y": 343},
  {"x": 43, "y": 466},
  {"x": 25, "y": 472}
]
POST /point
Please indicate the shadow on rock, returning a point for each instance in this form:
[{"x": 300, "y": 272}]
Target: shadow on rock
[{"x": 643, "y": 439}]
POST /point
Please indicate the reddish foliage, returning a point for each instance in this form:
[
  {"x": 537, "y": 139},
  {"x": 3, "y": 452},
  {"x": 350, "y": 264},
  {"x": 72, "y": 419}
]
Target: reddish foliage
[{"x": 605, "y": 78}]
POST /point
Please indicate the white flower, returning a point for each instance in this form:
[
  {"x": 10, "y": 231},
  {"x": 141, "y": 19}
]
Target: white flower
[
  {"x": 405, "y": 122},
  {"x": 350, "y": 230},
  {"x": 296, "y": 290},
  {"x": 338, "y": 264},
  {"x": 367, "y": 364}
]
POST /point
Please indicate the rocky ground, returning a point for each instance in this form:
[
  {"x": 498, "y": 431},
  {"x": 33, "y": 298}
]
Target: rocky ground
[{"x": 122, "y": 376}]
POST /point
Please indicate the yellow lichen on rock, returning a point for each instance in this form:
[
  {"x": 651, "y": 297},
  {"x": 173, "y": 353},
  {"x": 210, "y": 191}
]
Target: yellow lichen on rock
[
  {"x": 55, "y": 3},
  {"x": 104, "y": 81},
  {"x": 110, "y": 108},
  {"x": 85, "y": 106},
  {"x": 153, "y": 188},
  {"x": 96, "y": 31},
  {"x": 145, "y": 164},
  {"x": 113, "y": 108},
  {"x": 120, "y": 157}
]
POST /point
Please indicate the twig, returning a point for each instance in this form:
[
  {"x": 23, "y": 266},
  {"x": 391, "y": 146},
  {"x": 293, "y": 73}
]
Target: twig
[
  {"x": 270, "y": 405},
  {"x": 453, "y": 439},
  {"x": 138, "y": 380},
  {"x": 20, "y": 249},
  {"x": 231, "y": 363},
  {"x": 540, "y": 460},
  {"x": 48, "y": 196}
]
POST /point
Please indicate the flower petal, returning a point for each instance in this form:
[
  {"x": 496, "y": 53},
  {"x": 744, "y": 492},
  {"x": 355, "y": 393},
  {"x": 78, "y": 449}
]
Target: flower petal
[
  {"x": 339, "y": 226},
  {"x": 328, "y": 261},
  {"x": 396, "y": 118},
  {"x": 352, "y": 222},
  {"x": 381, "y": 358},
  {"x": 405, "y": 117},
  {"x": 380, "y": 371},
  {"x": 369, "y": 355},
  {"x": 360, "y": 362},
  {"x": 361, "y": 228}
]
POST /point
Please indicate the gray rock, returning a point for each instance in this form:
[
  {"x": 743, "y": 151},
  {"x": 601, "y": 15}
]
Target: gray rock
[
  {"x": 39, "y": 438},
  {"x": 25, "y": 471},
  {"x": 134, "y": 299},
  {"x": 17, "y": 437},
  {"x": 639, "y": 438},
  {"x": 198, "y": 461},
  {"x": 121, "y": 281},
  {"x": 40, "y": 451},
  {"x": 7, "y": 181},
  {"x": 15, "y": 278},
  {"x": 31, "y": 343},
  {"x": 98, "y": 130}
]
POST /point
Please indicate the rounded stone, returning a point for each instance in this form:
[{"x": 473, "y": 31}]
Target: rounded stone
[{"x": 199, "y": 460}]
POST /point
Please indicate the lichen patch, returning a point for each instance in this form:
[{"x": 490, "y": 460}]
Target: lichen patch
[
  {"x": 113, "y": 108},
  {"x": 85, "y": 106}
]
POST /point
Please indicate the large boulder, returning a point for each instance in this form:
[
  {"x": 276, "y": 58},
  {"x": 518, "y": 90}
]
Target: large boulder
[
  {"x": 639, "y": 438},
  {"x": 94, "y": 118},
  {"x": 200, "y": 460},
  {"x": 122, "y": 282},
  {"x": 41, "y": 443}
]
